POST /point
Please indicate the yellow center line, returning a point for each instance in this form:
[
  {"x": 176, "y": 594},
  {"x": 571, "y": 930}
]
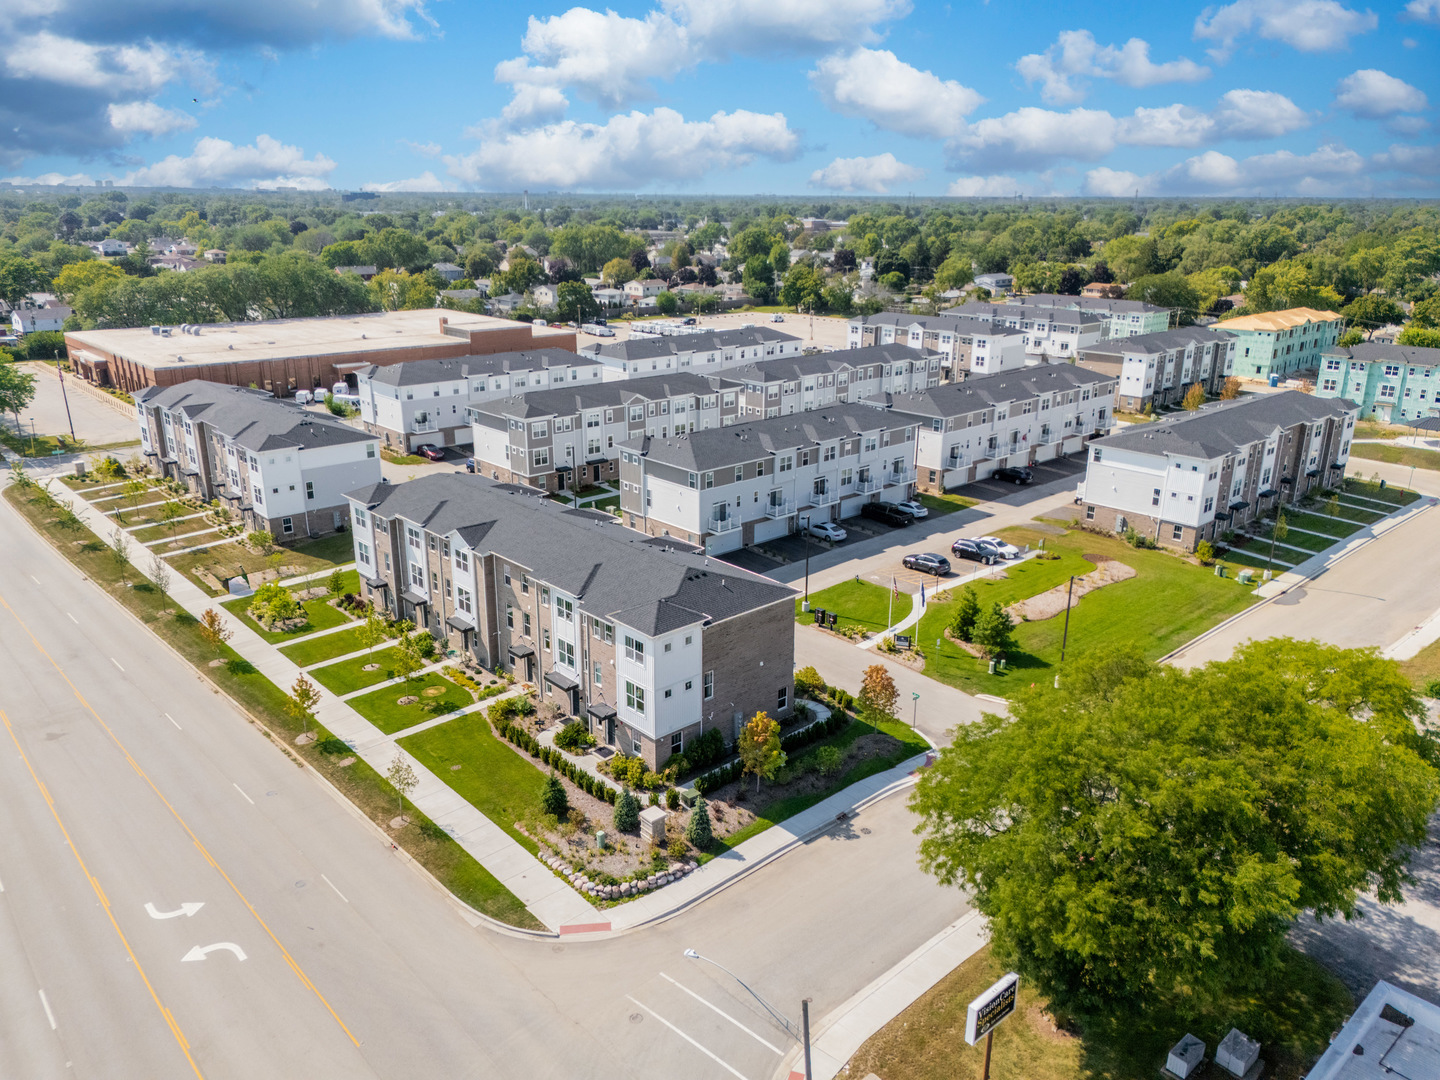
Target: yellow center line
[
  {"x": 135, "y": 765},
  {"x": 104, "y": 901}
]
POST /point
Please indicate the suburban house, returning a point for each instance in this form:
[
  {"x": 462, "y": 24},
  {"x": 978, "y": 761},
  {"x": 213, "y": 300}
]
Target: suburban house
[
  {"x": 1157, "y": 369},
  {"x": 998, "y": 284},
  {"x": 1104, "y": 291},
  {"x": 649, "y": 644},
  {"x": 1189, "y": 478},
  {"x": 569, "y": 436},
  {"x": 1046, "y": 333},
  {"x": 1280, "y": 343},
  {"x": 449, "y": 271},
  {"x": 731, "y": 487},
  {"x": 427, "y": 401},
  {"x": 1121, "y": 318},
  {"x": 966, "y": 345},
  {"x": 703, "y": 353},
  {"x": 110, "y": 247},
  {"x": 1013, "y": 418},
  {"x": 275, "y": 466},
  {"x": 545, "y": 296},
  {"x": 364, "y": 273},
  {"x": 638, "y": 292},
  {"x": 1392, "y": 383},
  {"x": 803, "y": 383},
  {"x": 40, "y": 320},
  {"x": 609, "y": 298}
]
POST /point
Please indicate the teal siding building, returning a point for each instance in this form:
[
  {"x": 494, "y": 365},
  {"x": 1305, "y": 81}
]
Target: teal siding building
[
  {"x": 1391, "y": 383},
  {"x": 1282, "y": 343}
]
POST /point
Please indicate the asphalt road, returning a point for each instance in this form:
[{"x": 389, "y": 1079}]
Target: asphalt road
[{"x": 125, "y": 781}]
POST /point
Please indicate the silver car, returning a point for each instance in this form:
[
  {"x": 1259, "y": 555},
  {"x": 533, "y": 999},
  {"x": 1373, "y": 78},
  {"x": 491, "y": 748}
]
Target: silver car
[
  {"x": 827, "y": 530},
  {"x": 914, "y": 507},
  {"x": 1007, "y": 551}
]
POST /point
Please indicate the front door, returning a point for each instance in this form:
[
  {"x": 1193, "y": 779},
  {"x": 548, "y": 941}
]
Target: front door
[
  {"x": 560, "y": 479},
  {"x": 610, "y": 732}
]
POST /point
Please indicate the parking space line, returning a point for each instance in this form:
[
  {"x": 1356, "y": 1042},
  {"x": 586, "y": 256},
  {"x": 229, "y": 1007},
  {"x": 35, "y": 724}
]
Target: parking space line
[
  {"x": 731, "y": 1070},
  {"x": 727, "y": 1016}
]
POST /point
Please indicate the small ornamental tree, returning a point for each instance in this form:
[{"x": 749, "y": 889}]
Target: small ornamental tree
[
  {"x": 627, "y": 812},
  {"x": 553, "y": 799},
  {"x": 878, "y": 695},
  {"x": 808, "y": 683},
  {"x": 1230, "y": 390},
  {"x": 697, "y": 829},
  {"x": 760, "y": 747},
  {"x": 402, "y": 778},
  {"x": 120, "y": 551},
  {"x": 1194, "y": 397},
  {"x": 160, "y": 573},
  {"x": 966, "y": 612},
  {"x": 261, "y": 541},
  {"x": 214, "y": 630},
  {"x": 372, "y": 631},
  {"x": 407, "y": 660},
  {"x": 994, "y": 632},
  {"x": 170, "y": 515},
  {"x": 336, "y": 584},
  {"x": 302, "y": 702}
]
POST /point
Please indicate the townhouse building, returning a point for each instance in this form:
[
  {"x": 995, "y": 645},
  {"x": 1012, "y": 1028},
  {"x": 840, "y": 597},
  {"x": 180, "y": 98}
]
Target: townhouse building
[
  {"x": 966, "y": 345},
  {"x": 1390, "y": 383},
  {"x": 569, "y": 437},
  {"x": 731, "y": 487},
  {"x": 650, "y": 644},
  {"x": 703, "y": 353},
  {"x": 276, "y": 466},
  {"x": 1124, "y": 318},
  {"x": 965, "y": 431},
  {"x": 1046, "y": 333},
  {"x": 1182, "y": 480},
  {"x": 1158, "y": 369},
  {"x": 427, "y": 401},
  {"x": 1281, "y": 343},
  {"x": 784, "y": 387}
]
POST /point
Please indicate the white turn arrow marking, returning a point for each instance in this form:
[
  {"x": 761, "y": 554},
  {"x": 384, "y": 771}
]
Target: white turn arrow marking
[
  {"x": 199, "y": 951},
  {"x": 184, "y": 909}
]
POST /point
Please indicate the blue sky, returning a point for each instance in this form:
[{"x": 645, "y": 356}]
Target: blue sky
[{"x": 1299, "y": 97}]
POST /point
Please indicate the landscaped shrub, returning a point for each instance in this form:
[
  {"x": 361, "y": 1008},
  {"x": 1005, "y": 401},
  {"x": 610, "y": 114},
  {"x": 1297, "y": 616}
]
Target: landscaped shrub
[
  {"x": 627, "y": 812},
  {"x": 706, "y": 750},
  {"x": 553, "y": 799},
  {"x": 829, "y": 759},
  {"x": 573, "y": 737},
  {"x": 425, "y": 643},
  {"x": 628, "y": 770},
  {"x": 697, "y": 829},
  {"x": 672, "y": 799},
  {"x": 808, "y": 682},
  {"x": 275, "y": 608},
  {"x": 718, "y": 778}
]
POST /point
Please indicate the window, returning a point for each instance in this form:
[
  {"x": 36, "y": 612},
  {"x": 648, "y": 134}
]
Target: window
[
  {"x": 709, "y": 685},
  {"x": 510, "y": 616},
  {"x": 1089, "y": 513},
  {"x": 689, "y": 638},
  {"x": 359, "y": 516},
  {"x": 1096, "y": 458},
  {"x": 545, "y": 595},
  {"x": 1155, "y": 497},
  {"x": 635, "y": 697},
  {"x": 634, "y": 650},
  {"x": 599, "y": 674},
  {"x": 412, "y": 535},
  {"x": 1177, "y": 532},
  {"x": 635, "y": 743},
  {"x": 564, "y": 609},
  {"x": 462, "y": 600},
  {"x": 524, "y": 582},
  {"x": 782, "y": 699},
  {"x": 364, "y": 552},
  {"x": 287, "y": 526},
  {"x": 524, "y": 623},
  {"x": 541, "y": 457},
  {"x": 545, "y": 639},
  {"x": 667, "y": 692},
  {"x": 565, "y": 653},
  {"x": 369, "y": 450},
  {"x": 462, "y": 560},
  {"x": 667, "y": 646},
  {"x": 677, "y": 742}
]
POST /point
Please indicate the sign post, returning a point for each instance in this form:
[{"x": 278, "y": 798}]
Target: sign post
[{"x": 986, "y": 1012}]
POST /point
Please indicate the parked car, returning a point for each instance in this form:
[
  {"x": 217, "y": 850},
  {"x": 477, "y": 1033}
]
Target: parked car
[
  {"x": 1007, "y": 551},
  {"x": 976, "y": 550},
  {"x": 430, "y": 452},
  {"x": 303, "y": 397},
  {"x": 1013, "y": 474},
  {"x": 927, "y": 562},
  {"x": 827, "y": 530},
  {"x": 469, "y": 464},
  {"x": 777, "y": 317},
  {"x": 888, "y": 513},
  {"x": 914, "y": 507},
  {"x": 689, "y": 322}
]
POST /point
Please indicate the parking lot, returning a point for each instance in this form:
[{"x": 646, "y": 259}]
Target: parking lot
[{"x": 1071, "y": 468}]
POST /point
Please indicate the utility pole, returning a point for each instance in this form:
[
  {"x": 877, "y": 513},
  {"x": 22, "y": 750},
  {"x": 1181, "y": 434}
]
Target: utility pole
[
  {"x": 807, "y": 562},
  {"x": 805, "y": 1024},
  {"x": 1065, "y": 638},
  {"x": 60, "y": 372}
]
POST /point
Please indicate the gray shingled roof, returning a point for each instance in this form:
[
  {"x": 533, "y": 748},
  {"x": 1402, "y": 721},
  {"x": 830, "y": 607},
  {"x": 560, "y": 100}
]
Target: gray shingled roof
[
  {"x": 986, "y": 391},
  {"x": 955, "y": 324},
  {"x": 1158, "y": 342},
  {"x": 796, "y": 367},
  {"x": 568, "y": 400},
  {"x": 717, "y": 448},
  {"x": 1370, "y": 352},
  {"x": 1055, "y": 315},
  {"x": 1218, "y": 429},
  {"x": 252, "y": 418},
  {"x": 616, "y": 574},
  {"x": 416, "y": 372},
  {"x": 644, "y": 346}
]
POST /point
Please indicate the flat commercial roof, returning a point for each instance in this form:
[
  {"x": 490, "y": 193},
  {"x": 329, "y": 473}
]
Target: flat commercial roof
[{"x": 276, "y": 339}]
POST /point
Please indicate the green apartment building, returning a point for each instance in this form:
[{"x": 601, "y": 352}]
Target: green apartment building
[
  {"x": 1282, "y": 343},
  {"x": 1393, "y": 383}
]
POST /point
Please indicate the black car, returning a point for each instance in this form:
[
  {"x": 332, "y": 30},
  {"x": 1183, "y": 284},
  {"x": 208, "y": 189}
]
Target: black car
[
  {"x": 1014, "y": 474},
  {"x": 889, "y": 513},
  {"x": 927, "y": 562},
  {"x": 978, "y": 550}
]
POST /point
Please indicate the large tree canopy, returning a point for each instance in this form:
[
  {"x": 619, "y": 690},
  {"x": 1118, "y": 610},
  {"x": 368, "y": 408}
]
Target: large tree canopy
[{"x": 1147, "y": 832}]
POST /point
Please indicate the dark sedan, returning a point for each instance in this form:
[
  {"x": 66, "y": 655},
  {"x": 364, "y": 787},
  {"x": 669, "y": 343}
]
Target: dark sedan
[
  {"x": 889, "y": 513},
  {"x": 430, "y": 452},
  {"x": 927, "y": 563},
  {"x": 1014, "y": 475}
]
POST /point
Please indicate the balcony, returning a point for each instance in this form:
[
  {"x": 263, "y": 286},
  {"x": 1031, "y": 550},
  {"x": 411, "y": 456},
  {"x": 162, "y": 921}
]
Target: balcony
[
  {"x": 422, "y": 426},
  {"x": 864, "y": 487},
  {"x": 780, "y": 509},
  {"x": 824, "y": 498},
  {"x": 900, "y": 476},
  {"x": 722, "y": 525}
]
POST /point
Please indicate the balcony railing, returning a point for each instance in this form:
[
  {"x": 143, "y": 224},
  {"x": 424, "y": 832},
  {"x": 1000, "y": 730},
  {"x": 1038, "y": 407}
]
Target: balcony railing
[
  {"x": 420, "y": 426},
  {"x": 823, "y": 498},
  {"x": 723, "y": 525},
  {"x": 900, "y": 476},
  {"x": 864, "y": 487},
  {"x": 780, "y": 509}
]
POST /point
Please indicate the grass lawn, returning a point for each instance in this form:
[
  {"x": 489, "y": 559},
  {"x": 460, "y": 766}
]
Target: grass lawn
[
  {"x": 235, "y": 558},
  {"x": 494, "y": 779},
  {"x": 1424, "y": 666},
  {"x": 1397, "y": 455},
  {"x": 164, "y": 532},
  {"x": 946, "y": 504},
  {"x": 129, "y": 514},
  {"x": 610, "y": 503},
  {"x": 1389, "y": 493},
  {"x": 380, "y": 708},
  {"x": 264, "y": 703},
  {"x": 1337, "y": 527},
  {"x": 403, "y": 459},
  {"x": 1295, "y": 538},
  {"x": 1293, "y": 1019},
  {"x": 326, "y": 647},
  {"x": 1372, "y": 429},
  {"x": 1257, "y": 557},
  {"x": 1168, "y": 602},
  {"x": 348, "y": 676},
  {"x": 1353, "y": 512},
  {"x": 858, "y": 603},
  {"x": 321, "y": 615}
]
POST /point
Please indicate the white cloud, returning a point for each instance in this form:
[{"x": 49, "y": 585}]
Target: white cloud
[
  {"x": 1258, "y": 114},
  {"x": 429, "y": 149},
  {"x": 1307, "y": 25},
  {"x": 1076, "y": 55},
  {"x": 877, "y": 174},
  {"x": 1029, "y": 137},
  {"x": 1329, "y": 170},
  {"x": 531, "y": 105},
  {"x": 268, "y": 163},
  {"x": 1424, "y": 160},
  {"x": 1373, "y": 94},
  {"x": 878, "y": 86},
  {"x": 627, "y": 151},
  {"x": 426, "y": 181},
  {"x": 1407, "y": 125},
  {"x": 1114, "y": 183},
  {"x": 1425, "y": 11},
  {"x": 765, "y": 26},
  {"x": 116, "y": 69},
  {"x": 1172, "y": 125},
  {"x": 983, "y": 187},
  {"x": 51, "y": 179},
  {"x": 147, "y": 118}
]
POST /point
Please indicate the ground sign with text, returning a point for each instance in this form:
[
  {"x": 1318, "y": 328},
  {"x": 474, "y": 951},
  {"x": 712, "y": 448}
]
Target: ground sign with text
[{"x": 987, "y": 1010}]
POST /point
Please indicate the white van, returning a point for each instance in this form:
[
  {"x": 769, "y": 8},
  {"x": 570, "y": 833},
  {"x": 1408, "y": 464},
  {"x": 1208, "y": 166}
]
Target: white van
[{"x": 303, "y": 397}]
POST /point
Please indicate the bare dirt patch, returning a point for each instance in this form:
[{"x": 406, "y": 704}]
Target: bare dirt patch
[{"x": 1052, "y": 602}]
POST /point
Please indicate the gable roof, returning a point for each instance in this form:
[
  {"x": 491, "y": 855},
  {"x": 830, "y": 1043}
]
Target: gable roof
[
  {"x": 1218, "y": 429},
  {"x": 645, "y": 346},
  {"x": 1158, "y": 342},
  {"x": 418, "y": 372},
  {"x": 985, "y": 391},
  {"x": 1278, "y": 320},
  {"x": 252, "y": 418},
  {"x": 1370, "y": 352}
]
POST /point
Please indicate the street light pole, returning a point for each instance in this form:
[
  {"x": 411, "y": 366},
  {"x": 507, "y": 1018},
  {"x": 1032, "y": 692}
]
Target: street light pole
[
  {"x": 66, "y": 397},
  {"x": 691, "y": 954},
  {"x": 915, "y": 712},
  {"x": 805, "y": 1024},
  {"x": 1065, "y": 638},
  {"x": 807, "y": 562}
]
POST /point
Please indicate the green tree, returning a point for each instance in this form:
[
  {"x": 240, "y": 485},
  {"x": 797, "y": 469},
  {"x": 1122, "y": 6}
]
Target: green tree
[
  {"x": 759, "y": 279},
  {"x": 575, "y": 302},
  {"x": 522, "y": 276},
  {"x": 553, "y": 799},
  {"x": 1372, "y": 312},
  {"x": 994, "y": 632},
  {"x": 697, "y": 829},
  {"x": 804, "y": 288},
  {"x": 302, "y": 702},
  {"x": 402, "y": 778},
  {"x": 966, "y": 612},
  {"x": 1350, "y": 338},
  {"x": 1194, "y": 397},
  {"x": 760, "y": 747},
  {"x": 953, "y": 273},
  {"x": 667, "y": 303},
  {"x": 617, "y": 272},
  {"x": 878, "y": 695},
  {"x": 627, "y": 812},
  {"x": 1426, "y": 313},
  {"x": 407, "y": 660},
  {"x": 372, "y": 631},
  {"x": 335, "y": 585},
  {"x": 17, "y": 389},
  {"x": 119, "y": 545},
  {"x": 1147, "y": 835},
  {"x": 808, "y": 682},
  {"x": 170, "y": 514},
  {"x": 1412, "y": 335},
  {"x": 19, "y": 277},
  {"x": 1170, "y": 290}
]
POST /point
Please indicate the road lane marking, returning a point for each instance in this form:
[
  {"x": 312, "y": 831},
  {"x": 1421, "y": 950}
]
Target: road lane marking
[
  {"x": 332, "y": 885},
  {"x": 35, "y": 579},
  {"x": 48, "y": 1014},
  {"x": 116, "y": 663},
  {"x": 104, "y": 902},
  {"x": 692, "y": 1042},
  {"x": 199, "y": 952},
  {"x": 294, "y": 966},
  {"x": 172, "y": 720},
  {"x": 184, "y": 909},
  {"x": 727, "y": 1016},
  {"x": 72, "y": 618},
  {"x": 238, "y": 788}
]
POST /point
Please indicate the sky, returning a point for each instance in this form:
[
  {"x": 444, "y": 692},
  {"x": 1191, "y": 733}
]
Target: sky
[{"x": 785, "y": 97}]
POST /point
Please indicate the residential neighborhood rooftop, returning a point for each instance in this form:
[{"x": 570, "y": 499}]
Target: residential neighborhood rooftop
[
  {"x": 1217, "y": 429},
  {"x": 984, "y": 391},
  {"x": 418, "y": 372},
  {"x": 1158, "y": 342},
  {"x": 253, "y": 418},
  {"x": 1370, "y": 352},
  {"x": 567, "y": 400},
  {"x": 644, "y": 346},
  {"x": 1279, "y": 320}
]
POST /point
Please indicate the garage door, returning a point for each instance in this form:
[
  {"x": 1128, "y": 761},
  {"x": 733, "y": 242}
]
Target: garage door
[
  {"x": 719, "y": 545},
  {"x": 851, "y": 507},
  {"x": 771, "y": 530}
]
